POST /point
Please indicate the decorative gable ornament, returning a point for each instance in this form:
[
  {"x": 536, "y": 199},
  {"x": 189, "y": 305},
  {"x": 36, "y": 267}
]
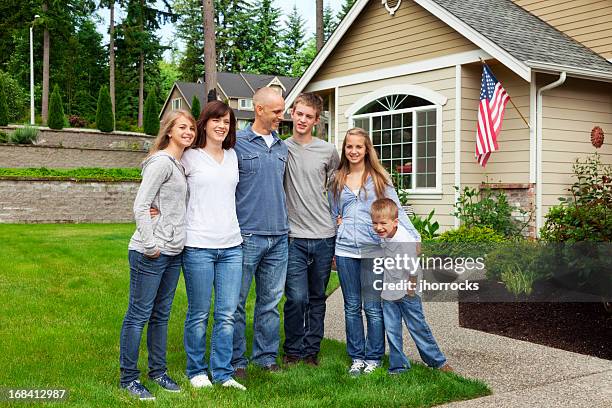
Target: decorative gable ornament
[{"x": 392, "y": 5}]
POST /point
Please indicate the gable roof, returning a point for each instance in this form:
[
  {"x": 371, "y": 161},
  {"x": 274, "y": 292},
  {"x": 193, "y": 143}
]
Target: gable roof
[{"x": 502, "y": 29}]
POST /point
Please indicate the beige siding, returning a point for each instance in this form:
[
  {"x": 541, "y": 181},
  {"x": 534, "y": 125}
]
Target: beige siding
[
  {"x": 233, "y": 103},
  {"x": 586, "y": 21},
  {"x": 175, "y": 94},
  {"x": 570, "y": 112},
  {"x": 441, "y": 81},
  {"x": 378, "y": 40},
  {"x": 511, "y": 163}
]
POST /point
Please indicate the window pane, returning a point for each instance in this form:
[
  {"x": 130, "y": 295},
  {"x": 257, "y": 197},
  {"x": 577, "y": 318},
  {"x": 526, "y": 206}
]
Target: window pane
[
  {"x": 376, "y": 123},
  {"x": 386, "y": 122},
  {"x": 431, "y": 165},
  {"x": 397, "y": 151},
  {"x": 431, "y": 117},
  {"x": 406, "y": 136},
  {"x": 386, "y": 137},
  {"x": 376, "y": 138},
  {"x": 397, "y": 121},
  {"x": 421, "y": 165},
  {"x": 421, "y": 132},
  {"x": 385, "y": 152},
  {"x": 422, "y": 118},
  {"x": 396, "y": 136},
  {"x": 431, "y": 148},
  {"x": 421, "y": 149},
  {"x": 407, "y": 119},
  {"x": 421, "y": 180},
  {"x": 393, "y": 102}
]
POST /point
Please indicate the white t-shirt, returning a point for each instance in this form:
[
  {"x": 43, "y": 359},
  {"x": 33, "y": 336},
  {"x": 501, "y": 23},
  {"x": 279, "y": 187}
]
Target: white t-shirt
[
  {"x": 401, "y": 235},
  {"x": 211, "y": 220},
  {"x": 269, "y": 139}
]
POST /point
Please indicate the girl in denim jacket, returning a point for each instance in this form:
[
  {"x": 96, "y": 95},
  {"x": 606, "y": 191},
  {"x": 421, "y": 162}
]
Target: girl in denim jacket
[{"x": 359, "y": 181}]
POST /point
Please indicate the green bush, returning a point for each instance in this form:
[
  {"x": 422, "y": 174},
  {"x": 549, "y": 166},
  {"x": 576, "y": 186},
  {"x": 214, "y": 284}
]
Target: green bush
[
  {"x": 3, "y": 106},
  {"x": 151, "y": 119},
  {"x": 464, "y": 242},
  {"x": 56, "y": 118},
  {"x": 113, "y": 174},
  {"x": 492, "y": 210},
  {"x": 4, "y": 137},
  {"x": 104, "y": 112},
  {"x": 587, "y": 214},
  {"x": 15, "y": 98},
  {"x": 427, "y": 229},
  {"x": 24, "y": 135},
  {"x": 195, "y": 107},
  {"x": 518, "y": 281}
]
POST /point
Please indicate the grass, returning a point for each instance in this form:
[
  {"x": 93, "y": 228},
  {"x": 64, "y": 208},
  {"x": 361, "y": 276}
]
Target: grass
[
  {"x": 82, "y": 173},
  {"x": 65, "y": 291}
]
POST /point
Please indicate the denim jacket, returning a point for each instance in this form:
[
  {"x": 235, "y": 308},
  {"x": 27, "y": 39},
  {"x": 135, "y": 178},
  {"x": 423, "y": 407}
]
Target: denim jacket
[
  {"x": 356, "y": 231},
  {"x": 260, "y": 195}
]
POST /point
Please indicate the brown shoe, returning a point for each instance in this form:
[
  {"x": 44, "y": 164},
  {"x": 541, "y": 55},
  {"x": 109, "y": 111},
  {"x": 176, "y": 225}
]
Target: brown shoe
[
  {"x": 312, "y": 360},
  {"x": 241, "y": 373},
  {"x": 447, "y": 368},
  {"x": 273, "y": 368},
  {"x": 288, "y": 359}
]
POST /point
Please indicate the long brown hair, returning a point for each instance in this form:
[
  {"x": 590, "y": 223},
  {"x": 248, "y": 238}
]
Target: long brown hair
[
  {"x": 214, "y": 110},
  {"x": 373, "y": 168},
  {"x": 167, "y": 123}
]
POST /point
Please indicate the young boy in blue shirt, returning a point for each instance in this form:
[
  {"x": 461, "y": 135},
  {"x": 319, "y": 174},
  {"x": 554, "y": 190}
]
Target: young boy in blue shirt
[{"x": 401, "y": 295}]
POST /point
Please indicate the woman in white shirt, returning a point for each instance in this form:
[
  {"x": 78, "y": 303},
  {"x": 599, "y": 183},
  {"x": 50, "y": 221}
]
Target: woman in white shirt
[{"x": 213, "y": 255}]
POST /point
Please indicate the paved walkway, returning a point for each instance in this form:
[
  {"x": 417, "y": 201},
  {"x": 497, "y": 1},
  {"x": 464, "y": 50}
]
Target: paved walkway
[{"x": 520, "y": 374}]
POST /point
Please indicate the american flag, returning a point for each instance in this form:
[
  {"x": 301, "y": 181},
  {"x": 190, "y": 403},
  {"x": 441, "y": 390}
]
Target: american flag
[{"x": 493, "y": 100}]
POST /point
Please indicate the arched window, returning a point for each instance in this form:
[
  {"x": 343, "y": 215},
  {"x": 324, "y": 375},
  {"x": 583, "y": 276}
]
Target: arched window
[{"x": 405, "y": 133}]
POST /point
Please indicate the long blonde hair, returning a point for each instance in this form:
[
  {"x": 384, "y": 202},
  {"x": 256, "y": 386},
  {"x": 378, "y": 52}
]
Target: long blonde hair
[
  {"x": 373, "y": 168},
  {"x": 167, "y": 123}
]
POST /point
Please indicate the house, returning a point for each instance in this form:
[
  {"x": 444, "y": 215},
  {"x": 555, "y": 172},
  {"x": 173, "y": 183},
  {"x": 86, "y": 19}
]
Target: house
[
  {"x": 409, "y": 71},
  {"x": 235, "y": 89}
]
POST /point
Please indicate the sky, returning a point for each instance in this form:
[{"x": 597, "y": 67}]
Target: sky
[{"x": 305, "y": 7}]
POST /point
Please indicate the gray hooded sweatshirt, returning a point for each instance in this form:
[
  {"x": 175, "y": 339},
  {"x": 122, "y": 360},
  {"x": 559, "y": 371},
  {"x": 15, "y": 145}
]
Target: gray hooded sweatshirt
[{"x": 163, "y": 187}]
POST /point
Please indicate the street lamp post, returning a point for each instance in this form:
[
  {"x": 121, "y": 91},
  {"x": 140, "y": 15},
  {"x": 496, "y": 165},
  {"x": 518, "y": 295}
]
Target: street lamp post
[{"x": 32, "y": 116}]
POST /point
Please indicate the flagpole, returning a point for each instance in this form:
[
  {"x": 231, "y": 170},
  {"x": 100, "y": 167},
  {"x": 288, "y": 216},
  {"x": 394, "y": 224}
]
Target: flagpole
[{"x": 511, "y": 101}]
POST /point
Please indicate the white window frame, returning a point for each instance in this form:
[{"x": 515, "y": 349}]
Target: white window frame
[
  {"x": 175, "y": 105},
  {"x": 421, "y": 191},
  {"x": 248, "y": 104}
]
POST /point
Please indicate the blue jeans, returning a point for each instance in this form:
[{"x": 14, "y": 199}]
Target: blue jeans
[
  {"x": 307, "y": 278},
  {"x": 265, "y": 258},
  {"x": 205, "y": 269},
  {"x": 370, "y": 347},
  {"x": 410, "y": 309},
  {"x": 152, "y": 286}
]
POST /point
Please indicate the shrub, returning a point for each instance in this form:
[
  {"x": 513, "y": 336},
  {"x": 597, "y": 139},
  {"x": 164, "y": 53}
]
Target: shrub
[
  {"x": 4, "y": 137},
  {"x": 587, "y": 214},
  {"x": 492, "y": 210},
  {"x": 151, "y": 119},
  {"x": 518, "y": 281},
  {"x": 76, "y": 121},
  {"x": 425, "y": 227},
  {"x": 25, "y": 135},
  {"x": 464, "y": 241},
  {"x": 512, "y": 256},
  {"x": 3, "y": 106},
  {"x": 15, "y": 98},
  {"x": 399, "y": 184},
  {"x": 105, "y": 120},
  {"x": 56, "y": 110},
  {"x": 195, "y": 107}
]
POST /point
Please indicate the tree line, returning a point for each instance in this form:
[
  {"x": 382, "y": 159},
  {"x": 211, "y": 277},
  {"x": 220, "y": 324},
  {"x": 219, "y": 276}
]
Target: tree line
[{"x": 252, "y": 36}]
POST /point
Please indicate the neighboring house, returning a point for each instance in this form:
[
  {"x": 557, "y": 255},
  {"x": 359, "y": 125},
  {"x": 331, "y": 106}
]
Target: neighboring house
[
  {"x": 411, "y": 77},
  {"x": 235, "y": 89}
]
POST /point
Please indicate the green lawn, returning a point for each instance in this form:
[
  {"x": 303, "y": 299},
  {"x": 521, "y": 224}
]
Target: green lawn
[{"x": 65, "y": 291}]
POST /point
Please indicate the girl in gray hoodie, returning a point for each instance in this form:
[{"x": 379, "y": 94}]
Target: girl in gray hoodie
[{"x": 155, "y": 254}]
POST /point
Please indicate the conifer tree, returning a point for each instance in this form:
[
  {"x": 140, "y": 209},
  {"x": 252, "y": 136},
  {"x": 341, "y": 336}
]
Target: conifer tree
[
  {"x": 195, "y": 107},
  {"x": 3, "y": 106},
  {"x": 151, "y": 119},
  {"x": 105, "y": 120},
  {"x": 56, "y": 110}
]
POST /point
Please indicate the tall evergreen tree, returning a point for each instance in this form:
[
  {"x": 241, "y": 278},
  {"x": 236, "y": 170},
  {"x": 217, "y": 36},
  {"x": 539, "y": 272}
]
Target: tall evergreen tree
[
  {"x": 329, "y": 23},
  {"x": 293, "y": 42},
  {"x": 3, "y": 105},
  {"x": 56, "y": 110},
  {"x": 151, "y": 118},
  {"x": 195, "y": 107},
  {"x": 346, "y": 7},
  {"x": 190, "y": 31},
  {"x": 105, "y": 120},
  {"x": 233, "y": 22},
  {"x": 264, "y": 55}
]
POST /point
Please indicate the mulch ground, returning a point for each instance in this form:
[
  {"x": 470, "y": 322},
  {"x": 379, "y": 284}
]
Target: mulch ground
[{"x": 584, "y": 328}]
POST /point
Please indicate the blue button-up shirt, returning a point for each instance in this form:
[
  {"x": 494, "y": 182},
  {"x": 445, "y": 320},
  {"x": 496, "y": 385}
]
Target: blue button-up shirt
[{"x": 260, "y": 197}]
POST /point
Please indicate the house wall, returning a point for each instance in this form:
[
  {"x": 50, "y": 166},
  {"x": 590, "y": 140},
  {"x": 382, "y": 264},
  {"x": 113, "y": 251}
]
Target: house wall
[
  {"x": 510, "y": 164},
  {"x": 570, "y": 112},
  {"x": 443, "y": 82},
  {"x": 377, "y": 40},
  {"x": 586, "y": 21},
  {"x": 175, "y": 94}
]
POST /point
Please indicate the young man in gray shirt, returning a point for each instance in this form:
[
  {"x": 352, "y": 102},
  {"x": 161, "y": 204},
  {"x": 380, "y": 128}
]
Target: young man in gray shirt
[{"x": 310, "y": 169}]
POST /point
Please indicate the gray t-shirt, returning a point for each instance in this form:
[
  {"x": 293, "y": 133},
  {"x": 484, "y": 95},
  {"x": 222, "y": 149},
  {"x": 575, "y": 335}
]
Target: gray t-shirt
[{"x": 310, "y": 170}]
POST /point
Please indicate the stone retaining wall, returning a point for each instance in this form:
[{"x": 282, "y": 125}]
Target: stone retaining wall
[
  {"x": 13, "y": 156},
  {"x": 50, "y": 201}
]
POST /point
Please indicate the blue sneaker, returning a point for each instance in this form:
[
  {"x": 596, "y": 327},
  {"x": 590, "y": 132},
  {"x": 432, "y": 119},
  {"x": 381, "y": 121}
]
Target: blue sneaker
[
  {"x": 138, "y": 390},
  {"x": 167, "y": 383}
]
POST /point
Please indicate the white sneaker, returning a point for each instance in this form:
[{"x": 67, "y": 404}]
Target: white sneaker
[
  {"x": 370, "y": 367},
  {"x": 200, "y": 381},
  {"x": 234, "y": 384},
  {"x": 356, "y": 368}
]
